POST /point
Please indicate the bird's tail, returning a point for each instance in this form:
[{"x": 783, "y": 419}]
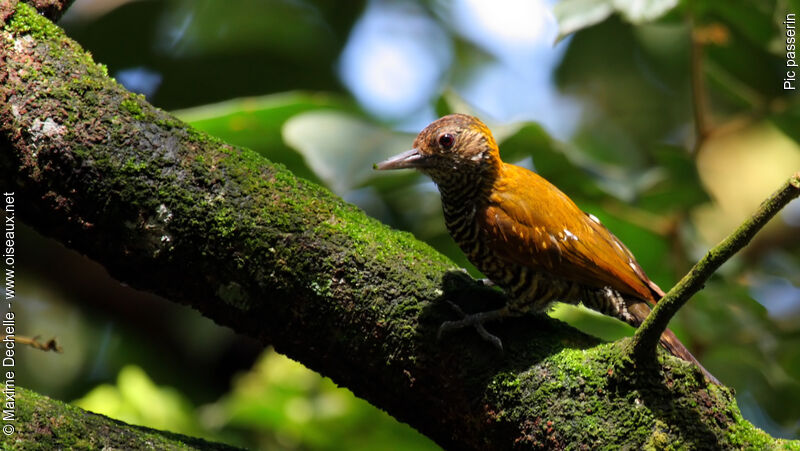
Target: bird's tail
[{"x": 640, "y": 310}]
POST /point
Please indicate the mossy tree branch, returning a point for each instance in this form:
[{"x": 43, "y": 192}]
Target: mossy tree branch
[
  {"x": 52, "y": 9},
  {"x": 169, "y": 209},
  {"x": 645, "y": 340},
  {"x": 44, "y": 423}
]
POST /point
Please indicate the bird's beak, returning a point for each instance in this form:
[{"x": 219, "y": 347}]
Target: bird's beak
[{"x": 408, "y": 159}]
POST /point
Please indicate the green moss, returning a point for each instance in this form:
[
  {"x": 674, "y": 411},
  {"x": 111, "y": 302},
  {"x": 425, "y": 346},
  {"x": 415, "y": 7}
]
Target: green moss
[
  {"x": 27, "y": 21},
  {"x": 660, "y": 438},
  {"x": 594, "y": 395},
  {"x": 43, "y": 423},
  {"x": 744, "y": 435},
  {"x": 133, "y": 166},
  {"x": 321, "y": 288},
  {"x": 224, "y": 222},
  {"x": 132, "y": 106},
  {"x": 234, "y": 295},
  {"x": 574, "y": 364},
  {"x": 505, "y": 385}
]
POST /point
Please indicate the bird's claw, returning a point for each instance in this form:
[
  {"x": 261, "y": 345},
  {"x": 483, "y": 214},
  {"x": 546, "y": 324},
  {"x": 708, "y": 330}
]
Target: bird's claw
[
  {"x": 475, "y": 320},
  {"x": 486, "y": 282}
]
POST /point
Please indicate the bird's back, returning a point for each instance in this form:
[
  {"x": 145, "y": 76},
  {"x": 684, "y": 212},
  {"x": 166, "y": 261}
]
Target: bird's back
[{"x": 529, "y": 222}]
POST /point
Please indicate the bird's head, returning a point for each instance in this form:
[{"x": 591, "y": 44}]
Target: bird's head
[{"x": 457, "y": 146}]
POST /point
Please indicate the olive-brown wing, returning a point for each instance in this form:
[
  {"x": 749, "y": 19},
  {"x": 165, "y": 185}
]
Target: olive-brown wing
[{"x": 530, "y": 222}]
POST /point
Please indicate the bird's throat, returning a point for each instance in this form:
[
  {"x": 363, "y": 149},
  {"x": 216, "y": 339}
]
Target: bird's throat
[{"x": 470, "y": 185}]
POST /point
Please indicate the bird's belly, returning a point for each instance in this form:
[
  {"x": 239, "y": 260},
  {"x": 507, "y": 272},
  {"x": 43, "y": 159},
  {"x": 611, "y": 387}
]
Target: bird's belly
[{"x": 529, "y": 289}]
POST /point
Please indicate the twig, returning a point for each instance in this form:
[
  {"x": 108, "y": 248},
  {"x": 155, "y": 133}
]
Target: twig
[
  {"x": 49, "y": 345},
  {"x": 647, "y": 335}
]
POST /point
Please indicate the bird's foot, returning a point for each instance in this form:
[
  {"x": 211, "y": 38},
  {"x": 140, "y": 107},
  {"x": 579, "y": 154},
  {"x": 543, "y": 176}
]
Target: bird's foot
[
  {"x": 486, "y": 282},
  {"x": 475, "y": 320}
]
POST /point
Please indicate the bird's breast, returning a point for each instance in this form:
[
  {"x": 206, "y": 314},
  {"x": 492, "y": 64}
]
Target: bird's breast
[{"x": 463, "y": 223}]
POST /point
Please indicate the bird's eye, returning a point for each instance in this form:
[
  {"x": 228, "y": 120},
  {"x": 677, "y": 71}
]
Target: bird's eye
[{"x": 446, "y": 140}]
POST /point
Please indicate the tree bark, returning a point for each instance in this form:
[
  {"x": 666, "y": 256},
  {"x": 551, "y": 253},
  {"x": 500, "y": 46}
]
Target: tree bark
[
  {"x": 168, "y": 209},
  {"x": 43, "y": 423}
]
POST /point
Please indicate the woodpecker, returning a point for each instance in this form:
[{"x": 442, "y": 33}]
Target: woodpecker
[{"x": 525, "y": 235}]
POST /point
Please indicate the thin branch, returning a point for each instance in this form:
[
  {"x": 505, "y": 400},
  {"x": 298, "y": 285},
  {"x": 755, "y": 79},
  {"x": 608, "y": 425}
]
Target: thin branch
[
  {"x": 49, "y": 345},
  {"x": 645, "y": 340}
]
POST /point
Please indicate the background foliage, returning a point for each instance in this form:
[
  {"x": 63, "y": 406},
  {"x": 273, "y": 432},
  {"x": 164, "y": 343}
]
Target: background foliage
[{"x": 665, "y": 119}]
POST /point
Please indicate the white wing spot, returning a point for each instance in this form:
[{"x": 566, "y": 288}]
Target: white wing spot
[
  {"x": 569, "y": 235},
  {"x": 594, "y": 218},
  {"x": 554, "y": 241}
]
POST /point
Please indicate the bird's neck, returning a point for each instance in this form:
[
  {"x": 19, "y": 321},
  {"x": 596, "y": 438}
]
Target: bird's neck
[
  {"x": 460, "y": 188},
  {"x": 463, "y": 193},
  {"x": 464, "y": 196}
]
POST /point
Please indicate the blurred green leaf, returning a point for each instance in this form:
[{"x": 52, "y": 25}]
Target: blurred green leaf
[
  {"x": 205, "y": 51},
  {"x": 137, "y": 400},
  {"x": 256, "y": 123},
  {"x": 788, "y": 354},
  {"x": 574, "y": 15},
  {"x": 789, "y": 121},
  {"x": 595, "y": 164},
  {"x": 642, "y": 11},
  {"x": 291, "y": 407},
  {"x": 630, "y": 99},
  {"x": 528, "y": 140},
  {"x": 753, "y": 19},
  {"x": 746, "y": 64},
  {"x": 591, "y": 322},
  {"x": 733, "y": 317},
  {"x": 341, "y": 148},
  {"x": 679, "y": 188},
  {"x": 292, "y": 29},
  {"x": 550, "y": 160}
]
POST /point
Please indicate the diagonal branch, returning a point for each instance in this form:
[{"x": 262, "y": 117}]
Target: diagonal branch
[
  {"x": 645, "y": 340},
  {"x": 44, "y": 423},
  {"x": 169, "y": 209}
]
